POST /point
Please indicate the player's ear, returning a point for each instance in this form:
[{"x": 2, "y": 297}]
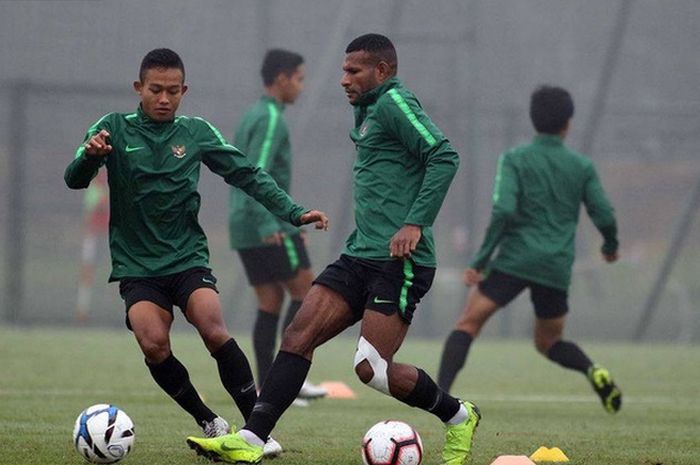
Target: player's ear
[
  {"x": 383, "y": 70},
  {"x": 184, "y": 88},
  {"x": 138, "y": 86}
]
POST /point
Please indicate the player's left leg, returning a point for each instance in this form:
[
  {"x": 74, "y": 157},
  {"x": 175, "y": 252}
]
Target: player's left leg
[
  {"x": 381, "y": 336},
  {"x": 323, "y": 314},
  {"x": 203, "y": 311},
  {"x": 550, "y": 308}
]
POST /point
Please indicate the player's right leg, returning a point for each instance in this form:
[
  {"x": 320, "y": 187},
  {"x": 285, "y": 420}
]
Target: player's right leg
[
  {"x": 494, "y": 292},
  {"x": 149, "y": 316},
  {"x": 477, "y": 310},
  {"x": 323, "y": 314},
  {"x": 298, "y": 287}
]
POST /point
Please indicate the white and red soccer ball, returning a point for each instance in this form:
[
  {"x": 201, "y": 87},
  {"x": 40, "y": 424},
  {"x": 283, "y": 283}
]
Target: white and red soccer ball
[{"x": 392, "y": 442}]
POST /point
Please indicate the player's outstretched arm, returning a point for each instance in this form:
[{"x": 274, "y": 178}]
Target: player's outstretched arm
[
  {"x": 98, "y": 145},
  {"x": 90, "y": 156},
  {"x": 315, "y": 216}
]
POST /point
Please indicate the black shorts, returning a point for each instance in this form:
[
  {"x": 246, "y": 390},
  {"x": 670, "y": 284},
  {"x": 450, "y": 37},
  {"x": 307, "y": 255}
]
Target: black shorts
[
  {"x": 165, "y": 291},
  {"x": 502, "y": 288},
  {"x": 387, "y": 286},
  {"x": 274, "y": 263}
]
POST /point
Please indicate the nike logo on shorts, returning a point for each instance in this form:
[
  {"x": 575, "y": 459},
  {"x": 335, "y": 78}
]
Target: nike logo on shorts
[{"x": 377, "y": 300}]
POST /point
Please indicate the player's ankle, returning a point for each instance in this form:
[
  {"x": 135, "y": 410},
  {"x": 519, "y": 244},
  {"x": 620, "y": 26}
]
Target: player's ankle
[{"x": 251, "y": 437}]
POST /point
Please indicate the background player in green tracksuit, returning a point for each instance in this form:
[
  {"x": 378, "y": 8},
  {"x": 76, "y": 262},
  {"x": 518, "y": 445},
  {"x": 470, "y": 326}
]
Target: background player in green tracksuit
[
  {"x": 159, "y": 251},
  {"x": 403, "y": 168},
  {"x": 273, "y": 252},
  {"x": 537, "y": 197}
]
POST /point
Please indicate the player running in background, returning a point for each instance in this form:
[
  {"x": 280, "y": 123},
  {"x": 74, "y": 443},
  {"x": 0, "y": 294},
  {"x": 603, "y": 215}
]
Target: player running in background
[
  {"x": 273, "y": 252},
  {"x": 159, "y": 251},
  {"x": 537, "y": 197},
  {"x": 403, "y": 168},
  {"x": 96, "y": 225}
]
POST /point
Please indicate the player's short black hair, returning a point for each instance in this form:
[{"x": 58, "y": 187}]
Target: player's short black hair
[
  {"x": 161, "y": 58},
  {"x": 377, "y": 46},
  {"x": 278, "y": 61},
  {"x": 551, "y": 108}
]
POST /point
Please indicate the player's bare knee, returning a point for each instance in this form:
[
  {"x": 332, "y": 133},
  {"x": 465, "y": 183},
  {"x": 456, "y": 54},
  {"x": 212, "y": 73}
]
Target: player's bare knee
[
  {"x": 155, "y": 350},
  {"x": 297, "y": 340}
]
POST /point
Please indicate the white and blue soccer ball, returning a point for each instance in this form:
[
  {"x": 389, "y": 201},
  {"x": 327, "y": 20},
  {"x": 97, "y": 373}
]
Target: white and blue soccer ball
[
  {"x": 103, "y": 434},
  {"x": 392, "y": 442}
]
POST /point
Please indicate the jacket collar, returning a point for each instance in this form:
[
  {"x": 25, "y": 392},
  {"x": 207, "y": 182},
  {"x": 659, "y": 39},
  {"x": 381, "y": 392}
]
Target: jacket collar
[
  {"x": 146, "y": 120},
  {"x": 548, "y": 139},
  {"x": 372, "y": 95},
  {"x": 270, "y": 99}
]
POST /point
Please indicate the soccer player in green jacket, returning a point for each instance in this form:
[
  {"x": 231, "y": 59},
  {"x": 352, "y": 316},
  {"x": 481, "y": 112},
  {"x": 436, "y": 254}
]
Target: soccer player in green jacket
[
  {"x": 537, "y": 196},
  {"x": 273, "y": 251},
  {"x": 159, "y": 251},
  {"x": 403, "y": 168}
]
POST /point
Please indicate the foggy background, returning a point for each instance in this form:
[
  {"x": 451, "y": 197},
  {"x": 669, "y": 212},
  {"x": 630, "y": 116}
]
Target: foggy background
[{"x": 633, "y": 69}]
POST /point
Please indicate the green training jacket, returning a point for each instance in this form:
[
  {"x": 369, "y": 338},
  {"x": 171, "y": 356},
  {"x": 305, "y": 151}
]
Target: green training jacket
[
  {"x": 537, "y": 197},
  {"x": 153, "y": 171},
  {"x": 403, "y": 168},
  {"x": 263, "y": 136}
]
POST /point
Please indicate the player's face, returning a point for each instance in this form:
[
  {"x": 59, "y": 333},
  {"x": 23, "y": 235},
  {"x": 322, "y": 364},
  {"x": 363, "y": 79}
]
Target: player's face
[
  {"x": 161, "y": 91},
  {"x": 360, "y": 74},
  {"x": 292, "y": 84}
]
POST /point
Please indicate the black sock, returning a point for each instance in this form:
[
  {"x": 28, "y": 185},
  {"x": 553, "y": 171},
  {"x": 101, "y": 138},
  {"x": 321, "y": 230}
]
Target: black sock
[
  {"x": 281, "y": 387},
  {"x": 236, "y": 376},
  {"x": 429, "y": 397},
  {"x": 292, "y": 310},
  {"x": 454, "y": 355},
  {"x": 569, "y": 355},
  {"x": 264, "y": 341},
  {"x": 172, "y": 377}
]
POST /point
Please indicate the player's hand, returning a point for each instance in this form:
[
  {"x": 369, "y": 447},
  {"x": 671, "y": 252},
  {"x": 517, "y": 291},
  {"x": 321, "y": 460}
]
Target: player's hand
[
  {"x": 405, "y": 241},
  {"x": 611, "y": 258},
  {"x": 274, "y": 239},
  {"x": 97, "y": 145},
  {"x": 315, "y": 216},
  {"x": 472, "y": 276}
]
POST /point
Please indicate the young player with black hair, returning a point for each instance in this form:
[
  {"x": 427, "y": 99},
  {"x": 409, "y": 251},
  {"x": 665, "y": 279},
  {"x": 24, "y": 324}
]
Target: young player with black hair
[
  {"x": 273, "y": 252},
  {"x": 159, "y": 251}
]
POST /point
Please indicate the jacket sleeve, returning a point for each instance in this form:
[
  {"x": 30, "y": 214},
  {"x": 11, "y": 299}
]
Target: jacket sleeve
[
  {"x": 600, "y": 211},
  {"x": 403, "y": 117},
  {"x": 83, "y": 168},
  {"x": 506, "y": 191},
  {"x": 262, "y": 146},
  {"x": 231, "y": 164}
]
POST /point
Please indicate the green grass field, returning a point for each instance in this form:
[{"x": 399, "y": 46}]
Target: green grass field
[{"x": 48, "y": 376}]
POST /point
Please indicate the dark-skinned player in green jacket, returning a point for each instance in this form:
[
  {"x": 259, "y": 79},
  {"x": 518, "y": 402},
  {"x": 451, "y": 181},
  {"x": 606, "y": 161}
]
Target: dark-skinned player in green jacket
[
  {"x": 159, "y": 251},
  {"x": 537, "y": 197},
  {"x": 403, "y": 168}
]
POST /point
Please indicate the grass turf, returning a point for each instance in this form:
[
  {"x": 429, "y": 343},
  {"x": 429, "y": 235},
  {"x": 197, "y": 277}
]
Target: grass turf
[{"x": 49, "y": 375}]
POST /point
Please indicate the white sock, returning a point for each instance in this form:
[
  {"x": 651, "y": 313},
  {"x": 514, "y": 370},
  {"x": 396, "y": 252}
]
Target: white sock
[
  {"x": 251, "y": 437},
  {"x": 460, "y": 416}
]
